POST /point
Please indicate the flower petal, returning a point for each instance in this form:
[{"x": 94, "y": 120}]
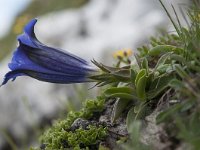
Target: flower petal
[
  {"x": 57, "y": 60},
  {"x": 11, "y": 75},
  {"x": 34, "y": 59},
  {"x": 53, "y": 78},
  {"x": 21, "y": 61}
]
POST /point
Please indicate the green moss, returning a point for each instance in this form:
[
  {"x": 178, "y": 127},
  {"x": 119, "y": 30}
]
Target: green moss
[
  {"x": 86, "y": 137},
  {"x": 61, "y": 136}
]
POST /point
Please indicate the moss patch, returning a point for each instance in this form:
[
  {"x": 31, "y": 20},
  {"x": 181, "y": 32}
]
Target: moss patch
[{"x": 76, "y": 131}]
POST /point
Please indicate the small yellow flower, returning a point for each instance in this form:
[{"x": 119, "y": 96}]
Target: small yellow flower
[{"x": 123, "y": 53}]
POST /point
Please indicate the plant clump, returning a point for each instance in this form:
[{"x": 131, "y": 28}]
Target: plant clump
[
  {"x": 66, "y": 133},
  {"x": 163, "y": 79}
]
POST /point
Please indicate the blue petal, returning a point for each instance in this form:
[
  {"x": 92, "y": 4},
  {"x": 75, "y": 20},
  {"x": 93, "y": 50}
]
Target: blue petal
[
  {"x": 29, "y": 28},
  {"x": 11, "y": 75},
  {"x": 53, "y": 78},
  {"x": 34, "y": 59},
  {"x": 29, "y": 37},
  {"x": 21, "y": 61},
  {"x": 57, "y": 60},
  {"x": 49, "y": 57}
]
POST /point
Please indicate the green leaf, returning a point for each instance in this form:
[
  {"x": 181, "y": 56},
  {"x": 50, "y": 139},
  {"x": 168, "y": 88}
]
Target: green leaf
[
  {"x": 140, "y": 83},
  {"x": 120, "y": 92},
  {"x": 158, "y": 86},
  {"x": 145, "y": 64},
  {"x": 122, "y": 75},
  {"x": 101, "y": 66},
  {"x": 108, "y": 69},
  {"x": 138, "y": 61},
  {"x": 162, "y": 60},
  {"x": 133, "y": 75},
  {"x": 143, "y": 50},
  {"x": 160, "y": 49},
  {"x": 140, "y": 74},
  {"x": 150, "y": 78},
  {"x": 114, "y": 90},
  {"x": 118, "y": 108},
  {"x": 181, "y": 72},
  {"x": 178, "y": 58},
  {"x": 167, "y": 114},
  {"x": 176, "y": 84},
  {"x": 101, "y": 77},
  {"x": 135, "y": 133},
  {"x": 164, "y": 68},
  {"x": 130, "y": 118},
  {"x": 142, "y": 110}
]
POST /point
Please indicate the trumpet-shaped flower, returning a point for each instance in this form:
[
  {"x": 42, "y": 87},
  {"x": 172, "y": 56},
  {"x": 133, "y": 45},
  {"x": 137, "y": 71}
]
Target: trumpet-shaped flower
[{"x": 34, "y": 59}]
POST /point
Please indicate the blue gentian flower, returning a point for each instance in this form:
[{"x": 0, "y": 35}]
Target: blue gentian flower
[{"x": 34, "y": 59}]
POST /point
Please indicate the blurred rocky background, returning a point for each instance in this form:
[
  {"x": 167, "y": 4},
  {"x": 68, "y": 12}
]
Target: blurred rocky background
[{"x": 87, "y": 28}]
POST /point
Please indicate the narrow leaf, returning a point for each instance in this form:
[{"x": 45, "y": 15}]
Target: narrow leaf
[
  {"x": 140, "y": 84},
  {"x": 160, "y": 49},
  {"x": 158, "y": 86},
  {"x": 167, "y": 114},
  {"x": 130, "y": 119},
  {"x": 119, "y": 107}
]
